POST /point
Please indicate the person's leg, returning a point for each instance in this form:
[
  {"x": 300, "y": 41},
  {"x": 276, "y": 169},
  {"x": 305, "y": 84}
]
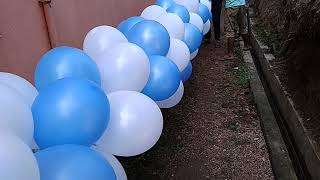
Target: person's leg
[
  {"x": 230, "y": 48},
  {"x": 243, "y": 27},
  {"x": 230, "y": 26},
  {"x": 217, "y": 17},
  {"x": 207, "y": 37}
]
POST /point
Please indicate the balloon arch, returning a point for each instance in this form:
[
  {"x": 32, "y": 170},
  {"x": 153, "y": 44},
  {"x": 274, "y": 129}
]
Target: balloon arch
[{"x": 90, "y": 105}]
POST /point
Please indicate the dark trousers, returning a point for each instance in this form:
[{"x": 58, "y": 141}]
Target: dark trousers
[{"x": 216, "y": 15}]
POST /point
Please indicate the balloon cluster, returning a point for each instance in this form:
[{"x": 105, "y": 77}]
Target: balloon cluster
[{"x": 103, "y": 101}]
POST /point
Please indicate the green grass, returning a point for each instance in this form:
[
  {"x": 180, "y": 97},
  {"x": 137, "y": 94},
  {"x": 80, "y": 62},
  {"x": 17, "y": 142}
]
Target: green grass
[
  {"x": 243, "y": 78},
  {"x": 267, "y": 37},
  {"x": 242, "y": 72}
]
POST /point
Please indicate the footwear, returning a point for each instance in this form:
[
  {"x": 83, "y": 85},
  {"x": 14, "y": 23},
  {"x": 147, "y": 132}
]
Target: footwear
[
  {"x": 228, "y": 57},
  {"x": 218, "y": 44},
  {"x": 207, "y": 41},
  {"x": 246, "y": 41},
  {"x": 246, "y": 48}
]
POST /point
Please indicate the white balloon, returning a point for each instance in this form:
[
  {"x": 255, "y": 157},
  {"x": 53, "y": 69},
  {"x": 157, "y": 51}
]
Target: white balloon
[
  {"x": 153, "y": 12},
  {"x": 17, "y": 161},
  {"x": 135, "y": 124},
  {"x": 196, "y": 20},
  {"x": 15, "y": 114},
  {"x": 174, "y": 99},
  {"x": 24, "y": 87},
  {"x": 101, "y": 39},
  {"x": 114, "y": 162},
  {"x": 123, "y": 67},
  {"x": 206, "y": 3},
  {"x": 194, "y": 54},
  {"x": 206, "y": 27},
  {"x": 179, "y": 53},
  {"x": 173, "y": 24},
  {"x": 191, "y": 5},
  {"x": 27, "y": 91}
]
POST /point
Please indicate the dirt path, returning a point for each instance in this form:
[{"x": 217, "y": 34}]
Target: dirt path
[{"x": 213, "y": 134}]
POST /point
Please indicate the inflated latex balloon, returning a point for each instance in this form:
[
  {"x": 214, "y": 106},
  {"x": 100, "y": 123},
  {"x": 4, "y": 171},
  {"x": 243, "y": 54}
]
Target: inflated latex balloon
[
  {"x": 173, "y": 24},
  {"x": 152, "y": 12},
  {"x": 204, "y": 12},
  {"x": 135, "y": 125},
  {"x": 114, "y": 162},
  {"x": 63, "y": 62},
  {"x": 194, "y": 54},
  {"x": 186, "y": 73},
  {"x": 164, "y": 78},
  {"x": 70, "y": 111},
  {"x": 179, "y": 53},
  {"x": 206, "y": 27},
  {"x": 17, "y": 161},
  {"x": 191, "y": 5},
  {"x": 206, "y": 3},
  {"x": 151, "y": 36},
  {"x": 174, "y": 99},
  {"x": 181, "y": 11},
  {"x": 124, "y": 67},
  {"x": 100, "y": 39},
  {"x": 165, "y": 4},
  {"x": 211, "y": 17},
  {"x": 73, "y": 162},
  {"x": 24, "y": 87},
  {"x": 127, "y": 24},
  {"x": 196, "y": 20},
  {"x": 192, "y": 37},
  {"x": 15, "y": 114}
]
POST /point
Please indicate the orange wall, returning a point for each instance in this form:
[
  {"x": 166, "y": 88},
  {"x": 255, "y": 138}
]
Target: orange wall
[
  {"x": 72, "y": 19},
  {"x": 25, "y": 27}
]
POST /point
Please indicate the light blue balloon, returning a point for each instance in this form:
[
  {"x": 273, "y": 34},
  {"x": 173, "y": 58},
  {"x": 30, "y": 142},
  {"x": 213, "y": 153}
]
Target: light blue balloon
[
  {"x": 73, "y": 162},
  {"x": 70, "y": 111},
  {"x": 164, "y": 78},
  {"x": 186, "y": 73},
  {"x": 65, "y": 62},
  {"x": 165, "y": 3},
  {"x": 127, "y": 24},
  {"x": 192, "y": 37},
  {"x": 204, "y": 12},
  {"x": 181, "y": 11},
  {"x": 151, "y": 36}
]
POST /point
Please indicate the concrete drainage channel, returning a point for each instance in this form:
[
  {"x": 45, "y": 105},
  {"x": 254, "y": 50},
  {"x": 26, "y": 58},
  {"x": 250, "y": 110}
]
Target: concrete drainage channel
[
  {"x": 281, "y": 162},
  {"x": 292, "y": 153}
]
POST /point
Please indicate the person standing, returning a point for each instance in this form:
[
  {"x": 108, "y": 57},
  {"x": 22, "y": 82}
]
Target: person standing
[
  {"x": 235, "y": 17},
  {"x": 216, "y": 14}
]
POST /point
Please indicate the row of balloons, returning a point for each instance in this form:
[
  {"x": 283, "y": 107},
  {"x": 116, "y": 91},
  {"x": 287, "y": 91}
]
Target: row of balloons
[{"x": 104, "y": 100}]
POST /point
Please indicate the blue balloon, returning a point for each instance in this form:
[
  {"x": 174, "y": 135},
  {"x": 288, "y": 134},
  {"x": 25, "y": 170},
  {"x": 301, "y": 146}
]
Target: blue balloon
[
  {"x": 181, "y": 11},
  {"x": 151, "y": 36},
  {"x": 192, "y": 37},
  {"x": 73, "y": 162},
  {"x": 204, "y": 12},
  {"x": 186, "y": 73},
  {"x": 164, "y": 78},
  {"x": 127, "y": 24},
  {"x": 165, "y": 3},
  {"x": 65, "y": 62},
  {"x": 70, "y": 111},
  {"x": 211, "y": 17}
]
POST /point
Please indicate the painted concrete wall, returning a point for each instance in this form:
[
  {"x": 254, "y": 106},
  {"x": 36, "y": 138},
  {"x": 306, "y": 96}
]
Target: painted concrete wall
[{"x": 29, "y": 28}]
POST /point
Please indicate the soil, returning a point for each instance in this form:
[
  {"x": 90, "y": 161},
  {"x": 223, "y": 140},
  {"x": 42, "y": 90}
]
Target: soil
[
  {"x": 214, "y": 133},
  {"x": 297, "y": 67},
  {"x": 299, "y": 74},
  {"x": 297, "y": 28}
]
